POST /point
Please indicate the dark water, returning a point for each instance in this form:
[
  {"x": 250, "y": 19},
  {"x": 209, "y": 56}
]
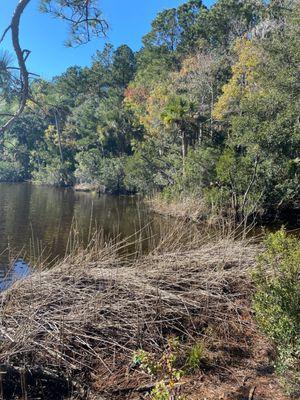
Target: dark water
[{"x": 38, "y": 219}]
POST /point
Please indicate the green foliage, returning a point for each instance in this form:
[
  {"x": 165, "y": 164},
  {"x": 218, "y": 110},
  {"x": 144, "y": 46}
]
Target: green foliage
[
  {"x": 11, "y": 171},
  {"x": 139, "y": 175},
  {"x": 200, "y": 169},
  {"x": 53, "y": 173},
  {"x": 259, "y": 168},
  {"x": 95, "y": 169},
  {"x": 123, "y": 66},
  {"x": 163, "y": 370},
  {"x": 277, "y": 302},
  {"x": 166, "y": 368},
  {"x": 208, "y": 108},
  {"x": 230, "y": 19},
  {"x": 177, "y": 110},
  {"x": 165, "y": 31},
  {"x": 88, "y": 165},
  {"x": 112, "y": 174},
  {"x": 195, "y": 357}
]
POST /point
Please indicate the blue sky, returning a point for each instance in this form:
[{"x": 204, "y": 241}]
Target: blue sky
[{"x": 129, "y": 20}]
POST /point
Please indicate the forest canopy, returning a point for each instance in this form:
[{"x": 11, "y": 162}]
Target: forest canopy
[{"x": 207, "y": 108}]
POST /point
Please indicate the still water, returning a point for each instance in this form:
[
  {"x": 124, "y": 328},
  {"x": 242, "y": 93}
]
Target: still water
[{"x": 38, "y": 219}]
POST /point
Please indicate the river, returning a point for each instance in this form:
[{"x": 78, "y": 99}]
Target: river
[{"x": 37, "y": 220}]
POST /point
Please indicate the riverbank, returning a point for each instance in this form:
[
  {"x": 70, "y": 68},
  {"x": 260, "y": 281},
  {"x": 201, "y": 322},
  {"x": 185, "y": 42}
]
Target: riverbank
[
  {"x": 89, "y": 187},
  {"x": 186, "y": 208},
  {"x": 73, "y": 330},
  {"x": 194, "y": 209}
]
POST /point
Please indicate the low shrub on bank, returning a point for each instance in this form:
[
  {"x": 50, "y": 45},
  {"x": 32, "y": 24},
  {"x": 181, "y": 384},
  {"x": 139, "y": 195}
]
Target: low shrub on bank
[
  {"x": 10, "y": 171},
  {"x": 277, "y": 303},
  {"x": 54, "y": 173},
  {"x": 93, "y": 168}
]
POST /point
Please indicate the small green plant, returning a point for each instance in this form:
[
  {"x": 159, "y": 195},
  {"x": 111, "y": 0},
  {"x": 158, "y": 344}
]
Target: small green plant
[
  {"x": 195, "y": 356},
  {"x": 277, "y": 303},
  {"x": 164, "y": 370}
]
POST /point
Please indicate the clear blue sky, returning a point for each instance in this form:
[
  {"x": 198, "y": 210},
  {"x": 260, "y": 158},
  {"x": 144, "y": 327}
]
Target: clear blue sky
[{"x": 129, "y": 20}]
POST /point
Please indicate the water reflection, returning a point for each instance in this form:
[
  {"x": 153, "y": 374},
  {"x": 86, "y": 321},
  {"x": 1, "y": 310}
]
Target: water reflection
[
  {"x": 8, "y": 275},
  {"x": 34, "y": 217}
]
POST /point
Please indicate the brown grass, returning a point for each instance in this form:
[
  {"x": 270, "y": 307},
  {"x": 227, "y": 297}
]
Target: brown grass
[
  {"x": 187, "y": 208},
  {"x": 77, "y": 324}
]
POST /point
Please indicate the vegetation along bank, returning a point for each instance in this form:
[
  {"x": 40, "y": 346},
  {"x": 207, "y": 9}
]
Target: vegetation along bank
[
  {"x": 208, "y": 108},
  {"x": 205, "y": 116}
]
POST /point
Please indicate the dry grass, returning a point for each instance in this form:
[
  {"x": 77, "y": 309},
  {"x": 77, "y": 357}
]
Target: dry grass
[
  {"x": 188, "y": 208},
  {"x": 89, "y": 187},
  {"x": 80, "y": 321},
  {"x": 86, "y": 187}
]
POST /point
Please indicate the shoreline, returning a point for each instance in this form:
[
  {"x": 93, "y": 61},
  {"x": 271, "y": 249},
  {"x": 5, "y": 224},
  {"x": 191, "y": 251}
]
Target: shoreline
[
  {"x": 95, "y": 309},
  {"x": 192, "y": 209},
  {"x": 189, "y": 209},
  {"x": 186, "y": 209}
]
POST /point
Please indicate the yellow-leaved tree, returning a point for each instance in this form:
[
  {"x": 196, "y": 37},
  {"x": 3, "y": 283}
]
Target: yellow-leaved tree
[{"x": 243, "y": 81}]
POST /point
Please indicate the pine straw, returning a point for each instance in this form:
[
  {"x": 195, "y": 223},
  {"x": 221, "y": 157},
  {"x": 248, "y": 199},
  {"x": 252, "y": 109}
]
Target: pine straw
[{"x": 91, "y": 311}]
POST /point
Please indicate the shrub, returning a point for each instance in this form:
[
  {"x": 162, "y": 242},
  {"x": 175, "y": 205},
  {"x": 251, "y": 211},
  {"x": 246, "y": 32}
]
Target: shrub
[
  {"x": 109, "y": 172},
  {"x": 140, "y": 177},
  {"x": 163, "y": 369},
  {"x": 200, "y": 171},
  {"x": 10, "y": 171},
  {"x": 277, "y": 303},
  {"x": 88, "y": 165},
  {"x": 54, "y": 173},
  {"x": 112, "y": 174},
  {"x": 195, "y": 357}
]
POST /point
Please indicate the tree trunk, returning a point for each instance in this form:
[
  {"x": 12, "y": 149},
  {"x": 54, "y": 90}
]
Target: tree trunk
[
  {"x": 184, "y": 149},
  {"x": 211, "y": 111},
  {"x": 59, "y": 137},
  {"x": 21, "y": 56}
]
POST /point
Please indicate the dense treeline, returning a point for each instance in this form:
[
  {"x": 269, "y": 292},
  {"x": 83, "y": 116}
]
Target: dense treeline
[{"x": 208, "y": 108}]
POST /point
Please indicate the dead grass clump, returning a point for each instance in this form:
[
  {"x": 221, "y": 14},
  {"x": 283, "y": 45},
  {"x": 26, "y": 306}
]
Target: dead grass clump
[
  {"x": 80, "y": 321},
  {"x": 185, "y": 207}
]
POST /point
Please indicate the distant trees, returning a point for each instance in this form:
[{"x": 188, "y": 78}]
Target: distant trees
[
  {"x": 260, "y": 102},
  {"x": 179, "y": 114},
  {"x": 123, "y": 67},
  {"x": 208, "y": 107}
]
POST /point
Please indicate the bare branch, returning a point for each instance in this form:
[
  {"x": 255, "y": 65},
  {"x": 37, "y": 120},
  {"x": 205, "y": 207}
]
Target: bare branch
[
  {"x": 5, "y": 33},
  {"x": 24, "y": 76},
  {"x": 85, "y": 20},
  {"x": 6, "y": 115}
]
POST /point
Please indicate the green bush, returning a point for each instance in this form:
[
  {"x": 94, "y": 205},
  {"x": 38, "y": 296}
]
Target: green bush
[
  {"x": 139, "y": 175},
  {"x": 88, "y": 165},
  {"x": 200, "y": 171},
  {"x": 93, "y": 168},
  {"x": 195, "y": 357},
  {"x": 277, "y": 303},
  {"x": 10, "y": 171},
  {"x": 112, "y": 174},
  {"x": 54, "y": 173},
  {"x": 164, "y": 370}
]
